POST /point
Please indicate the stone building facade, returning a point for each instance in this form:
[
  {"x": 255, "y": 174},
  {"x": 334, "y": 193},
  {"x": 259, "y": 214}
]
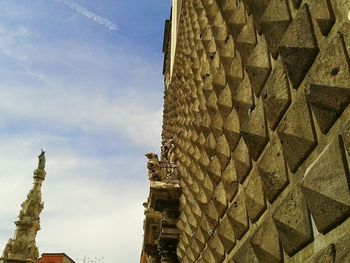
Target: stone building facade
[{"x": 257, "y": 103}]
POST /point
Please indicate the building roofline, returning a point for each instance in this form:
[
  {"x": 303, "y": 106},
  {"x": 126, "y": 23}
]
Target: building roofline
[{"x": 58, "y": 254}]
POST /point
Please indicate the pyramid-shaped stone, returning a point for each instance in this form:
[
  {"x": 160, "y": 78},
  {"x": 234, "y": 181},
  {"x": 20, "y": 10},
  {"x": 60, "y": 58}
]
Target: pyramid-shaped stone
[
  {"x": 256, "y": 8},
  {"x": 330, "y": 94},
  {"x": 243, "y": 99},
  {"x": 231, "y": 129},
  {"x": 293, "y": 222},
  {"x": 224, "y": 101},
  {"x": 324, "y": 15},
  {"x": 242, "y": 160},
  {"x": 237, "y": 214},
  {"x": 273, "y": 173},
  {"x": 266, "y": 244},
  {"x": 298, "y": 48},
  {"x": 254, "y": 132},
  {"x": 236, "y": 19},
  {"x": 276, "y": 95},
  {"x": 254, "y": 196},
  {"x": 258, "y": 65},
  {"x": 331, "y": 204},
  {"x": 226, "y": 234},
  {"x": 274, "y": 23},
  {"x": 297, "y": 134},
  {"x": 246, "y": 40}
]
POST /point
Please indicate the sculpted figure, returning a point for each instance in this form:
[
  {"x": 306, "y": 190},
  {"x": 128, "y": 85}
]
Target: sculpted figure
[
  {"x": 153, "y": 167},
  {"x": 42, "y": 160},
  {"x": 171, "y": 153},
  {"x": 164, "y": 150}
]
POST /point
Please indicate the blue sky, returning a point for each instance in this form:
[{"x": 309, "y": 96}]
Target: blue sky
[{"x": 81, "y": 79}]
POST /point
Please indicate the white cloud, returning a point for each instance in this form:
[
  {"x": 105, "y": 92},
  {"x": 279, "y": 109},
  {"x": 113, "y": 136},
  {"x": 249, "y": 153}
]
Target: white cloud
[
  {"x": 88, "y": 112},
  {"x": 83, "y": 11}
]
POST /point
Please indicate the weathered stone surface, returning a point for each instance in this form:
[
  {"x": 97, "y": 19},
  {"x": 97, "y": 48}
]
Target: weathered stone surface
[
  {"x": 207, "y": 255},
  {"x": 342, "y": 250},
  {"x": 296, "y": 3},
  {"x": 273, "y": 173},
  {"x": 257, "y": 8},
  {"x": 242, "y": 161},
  {"x": 225, "y": 101},
  {"x": 245, "y": 254},
  {"x": 223, "y": 153},
  {"x": 236, "y": 18},
  {"x": 214, "y": 170},
  {"x": 237, "y": 214},
  {"x": 330, "y": 94},
  {"x": 243, "y": 99},
  {"x": 246, "y": 40},
  {"x": 325, "y": 255},
  {"x": 266, "y": 244},
  {"x": 229, "y": 180},
  {"x": 254, "y": 196},
  {"x": 212, "y": 214},
  {"x": 216, "y": 248},
  {"x": 222, "y": 76},
  {"x": 231, "y": 129},
  {"x": 216, "y": 125},
  {"x": 235, "y": 73},
  {"x": 274, "y": 23},
  {"x": 220, "y": 200},
  {"x": 297, "y": 134},
  {"x": 323, "y": 11},
  {"x": 298, "y": 48},
  {"x": 346, "y": 136},
  {"x": 254, "y": 131},
  {"x": 276, "y": 95},
  {"x": 326, "y": 186},
  {"x": 258, "y": 65},
  {"x": 226, "y": 233},
  {"x": 293, "y": 222}
]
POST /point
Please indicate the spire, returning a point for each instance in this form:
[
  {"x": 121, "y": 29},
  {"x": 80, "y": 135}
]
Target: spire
[{"x": 22, "y": 247}]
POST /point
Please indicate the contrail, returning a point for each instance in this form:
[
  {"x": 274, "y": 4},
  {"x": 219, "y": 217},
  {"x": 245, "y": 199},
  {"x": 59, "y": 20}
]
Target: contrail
[{"x": 83, "y": 11}]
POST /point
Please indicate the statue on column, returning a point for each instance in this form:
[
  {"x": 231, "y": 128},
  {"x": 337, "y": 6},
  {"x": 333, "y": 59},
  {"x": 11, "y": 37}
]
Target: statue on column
[{"x": 22, "y": 248}]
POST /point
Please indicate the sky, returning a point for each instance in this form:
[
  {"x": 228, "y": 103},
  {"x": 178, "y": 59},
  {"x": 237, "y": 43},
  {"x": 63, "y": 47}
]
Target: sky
[{"x": 83, "y": 80}]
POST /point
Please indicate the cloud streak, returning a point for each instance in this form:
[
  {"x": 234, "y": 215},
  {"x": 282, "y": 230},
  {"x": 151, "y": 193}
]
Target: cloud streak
[{"x": 84, "y": 12}]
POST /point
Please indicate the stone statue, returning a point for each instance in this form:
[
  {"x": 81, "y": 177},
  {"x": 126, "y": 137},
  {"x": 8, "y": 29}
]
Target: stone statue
[
  {"x": 42, "y": 160},
  {"x": 171, "y": 153},
  {"x": 168, "y": 151},
  {"x": 153, "y": 167}
]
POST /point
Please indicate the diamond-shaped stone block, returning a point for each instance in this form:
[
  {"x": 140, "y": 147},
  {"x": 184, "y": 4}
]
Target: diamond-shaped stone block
[
  {"x": 273, "y": 170},
  {"x": 276, "y": 95},
  {"x": 254, "y": 131},
  {"x": 266, "y": 244},
  {"x": 297, "y": 134},
  {"x": 326, "y": 186},
  {"x": 226, "y": 233},
  {"x": 242, "y": 160},
  {"x": 299, "y": 48},
  {"x": 329, "y": 95},
  {"x": 293, "y": 222},
  {"x": 274, "y": 23},
  {"x": 237, "y": 214},
  {"x": 254, "y": 196}
]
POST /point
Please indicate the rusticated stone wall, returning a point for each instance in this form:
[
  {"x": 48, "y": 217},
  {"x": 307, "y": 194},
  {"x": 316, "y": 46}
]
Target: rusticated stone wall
[{"x": 258, "y": 106}]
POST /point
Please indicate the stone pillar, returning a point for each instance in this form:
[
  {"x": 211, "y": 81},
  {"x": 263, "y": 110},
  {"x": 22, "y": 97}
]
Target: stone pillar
[{"x": 22, "y": 248}]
